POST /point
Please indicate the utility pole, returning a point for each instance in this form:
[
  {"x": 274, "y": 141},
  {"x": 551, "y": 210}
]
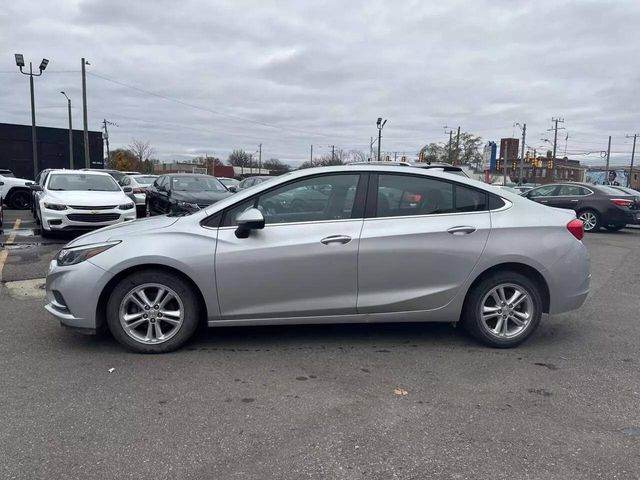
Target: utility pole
[
  {"x": 70, "y": 131},
  {"x": 260, "y": 159},
  {"x": 450, "y": 142},
  {"x": 87, "y": 161},
  {"x": 633, "y": 154},
  {"x": 371, "y": 149},
  {"x": 555, "y": 144},
  {"x": 524, "y": 136},
  {"x": 106, "y": 138},
  {"x": 333, "y": 153},
  {"x": 457, "y": 146},
  {"x": 311, "y": 156},
  {"x": 34, "y": 140},
  {"x": 395, "y": 156},
  {"x": 380, "y": 124},
  {"x": 608, "y": 155}
]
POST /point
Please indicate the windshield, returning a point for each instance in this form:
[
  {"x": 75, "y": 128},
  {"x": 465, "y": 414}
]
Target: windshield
[
  {"x": 145, "y": 179},
  {"x": 229, "y": 181},
  {"x": 196, "y": 183},
  {"x": 82, "y": 183}
]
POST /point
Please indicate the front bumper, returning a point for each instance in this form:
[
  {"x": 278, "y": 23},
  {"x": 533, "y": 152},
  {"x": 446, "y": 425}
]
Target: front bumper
[
  {"x": 73, "y": 219},
  {"x": 73, "y": 293}
]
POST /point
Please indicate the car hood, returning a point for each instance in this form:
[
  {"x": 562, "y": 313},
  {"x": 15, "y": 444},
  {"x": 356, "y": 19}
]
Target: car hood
[
  {"x": 204, "y": 197},
  {"x": 86, "y": 199},
  {"x": 121, "y": 231}
]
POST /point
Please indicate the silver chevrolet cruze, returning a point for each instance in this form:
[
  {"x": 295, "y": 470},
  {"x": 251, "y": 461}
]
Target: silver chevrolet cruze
[{"x": 361, "y": 243}]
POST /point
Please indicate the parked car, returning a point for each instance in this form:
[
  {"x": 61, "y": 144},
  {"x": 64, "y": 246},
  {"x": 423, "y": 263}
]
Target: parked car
[
  {"x": 15, "y": 192},
  {"x": 6, "y": 172},
  {"x": 251, "y": 181},
  {"x": 464, "y": 252},
  {"x": 183, "y": 192},
  {"x": 40, "y": 179},
  {"x": 81, "y": 200},
  {"x": 627, "y": 191},
  {"x": 117, "y": 174},
  {"x": 596, "y": 205},
  {"x": 139, "y": 184},
  {"x": 230, "y": 183}
]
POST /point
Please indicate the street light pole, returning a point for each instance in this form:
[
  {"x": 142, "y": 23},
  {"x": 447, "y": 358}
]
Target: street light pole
[
  {"x": 87, "y": 161},
  {"x": 380, "y": 124},
  {"x": 70, "y": 131},
  {"x": 34, "y": 140}
]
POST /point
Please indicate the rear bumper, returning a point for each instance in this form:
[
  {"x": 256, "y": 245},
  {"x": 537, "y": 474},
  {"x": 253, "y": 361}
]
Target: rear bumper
[{"x": 569, "y": 280}]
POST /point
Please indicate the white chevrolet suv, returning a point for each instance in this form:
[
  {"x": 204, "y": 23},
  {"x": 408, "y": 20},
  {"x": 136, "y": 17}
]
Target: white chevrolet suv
[{"x": 81, "y": 200}]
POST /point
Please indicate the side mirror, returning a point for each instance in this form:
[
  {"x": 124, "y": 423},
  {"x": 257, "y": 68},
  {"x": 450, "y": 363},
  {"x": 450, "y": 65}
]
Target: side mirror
[
  {"x": 127, "y": 190},
  {"x": 250, "y": 219},
  {"x": 233, "y": 188},
  {"x": 35, "y": 187}
]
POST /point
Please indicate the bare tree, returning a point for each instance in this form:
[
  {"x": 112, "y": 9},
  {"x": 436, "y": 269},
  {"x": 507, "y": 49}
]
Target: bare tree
[{"x": 142, "y": 150}]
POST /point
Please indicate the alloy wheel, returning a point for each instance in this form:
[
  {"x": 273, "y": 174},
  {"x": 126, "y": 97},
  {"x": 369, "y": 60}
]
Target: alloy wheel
[
  {"x": 151, "y": 313},
  {"x": 589, "y": 220},
  {"x": 506, "y": 310}
]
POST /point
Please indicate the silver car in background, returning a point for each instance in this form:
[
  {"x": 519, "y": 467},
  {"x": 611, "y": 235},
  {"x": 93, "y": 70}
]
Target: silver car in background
[
  {"x": 139, "y": 184},
  {"x": 386, "y": 245}
]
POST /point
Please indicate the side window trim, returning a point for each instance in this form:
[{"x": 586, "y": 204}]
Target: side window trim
[{"x": 225, "y": 223}]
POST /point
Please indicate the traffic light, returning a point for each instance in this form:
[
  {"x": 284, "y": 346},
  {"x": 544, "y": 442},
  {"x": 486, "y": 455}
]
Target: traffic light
[
  {"x": 513, "y": 165},
  {"x": 403, "y": 158},
  {"x": 422, "y": 156},
  {"x": 498, "y": 164},
  {"x": 550, "y": 164}
]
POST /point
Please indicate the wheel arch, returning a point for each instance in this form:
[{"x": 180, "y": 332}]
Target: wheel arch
[
  {"x": 101, "y": 307},
  {"x": 522, "y": 268}
]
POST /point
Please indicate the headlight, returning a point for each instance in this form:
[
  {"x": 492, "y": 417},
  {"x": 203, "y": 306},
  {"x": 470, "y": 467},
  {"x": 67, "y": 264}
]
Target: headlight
[
  {"x": 126, "y": 206},
  {"x": 75, "y": 255},
  {"x": 188, "y": 206},
  {"x": 55, "y": 206}
]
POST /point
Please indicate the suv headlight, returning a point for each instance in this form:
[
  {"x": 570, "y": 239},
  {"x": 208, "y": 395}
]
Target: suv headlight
[
  {"x": 55, "y": 206},
  {"x": 74, "y": 255},
  {"x": 126, "y": 206}
]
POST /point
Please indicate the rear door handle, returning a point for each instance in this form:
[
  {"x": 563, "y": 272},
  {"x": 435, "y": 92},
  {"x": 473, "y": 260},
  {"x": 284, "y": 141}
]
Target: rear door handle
[
  {"x": 461, "y": 230},
  {"x": 336, "y": 239}
]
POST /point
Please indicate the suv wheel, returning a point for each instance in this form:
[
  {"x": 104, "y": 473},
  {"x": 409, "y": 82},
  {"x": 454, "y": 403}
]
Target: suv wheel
[
  {"x": 152, "y": 312},
  {"x": 19, "y": 199},
  {"x": 503, "y": 310},
  {"x": 590, "y": 219}
]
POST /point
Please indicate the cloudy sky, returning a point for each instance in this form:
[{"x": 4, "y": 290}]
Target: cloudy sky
[{"x": 205, "y": 77}]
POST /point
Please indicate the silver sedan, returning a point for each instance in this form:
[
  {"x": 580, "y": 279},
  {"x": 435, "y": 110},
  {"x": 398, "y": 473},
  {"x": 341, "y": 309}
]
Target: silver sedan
[{"x": 376, "y": 244}]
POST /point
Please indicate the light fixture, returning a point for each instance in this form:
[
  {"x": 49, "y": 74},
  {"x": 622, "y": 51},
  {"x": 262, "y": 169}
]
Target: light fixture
[{"x": 19, "y": 60}]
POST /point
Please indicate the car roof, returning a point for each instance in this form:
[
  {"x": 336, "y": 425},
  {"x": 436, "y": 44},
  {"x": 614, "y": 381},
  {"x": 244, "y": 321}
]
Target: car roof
[
  {"x": 424, "y": 165},
  {"x": 80, "y": 172},
  {"x": 186, "y": 175}
]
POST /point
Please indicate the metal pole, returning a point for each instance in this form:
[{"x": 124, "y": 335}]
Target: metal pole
[
  {"x": 333, "y": 148},
  {"x": 379, "y": 141},
  {"x": 106, "y": 139},
  {"x": 608, "y": 154},
  {"x": 311, "y": 156},
  {"x": 633, "y": 154},
  {"x": 450, "y": 142},
  {"x": 87, "y": 161},
  {"x": 524, "y": 136},
  {"x": 260, "y": 160},
  {"x": 34, "y": 139},
  {"x": 457, "y": 146},
  {"x": 70, "y": 135},
  {"x": 553, "y": 158},
  {"x": 371, "y": 149}
]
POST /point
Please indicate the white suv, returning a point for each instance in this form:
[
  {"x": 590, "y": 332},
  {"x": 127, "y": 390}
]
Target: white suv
[{"x": 81, "y": 200}]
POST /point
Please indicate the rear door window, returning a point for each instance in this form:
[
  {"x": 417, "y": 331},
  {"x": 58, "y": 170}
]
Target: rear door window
[{"x": 402, "y": 195}]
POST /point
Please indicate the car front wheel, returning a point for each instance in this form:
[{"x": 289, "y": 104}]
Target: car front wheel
[
  {"x": 503, "y": 309},
  {"x": 153, "y": 311},
  {"x": 590, "y": 220}
]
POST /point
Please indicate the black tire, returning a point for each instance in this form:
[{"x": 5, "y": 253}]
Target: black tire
[
  {"x": 19, "y": 199},
  {"x": 184, "y": 291},
  {"x": 598, "y": 222},
  {"x": 471, "y": 312},
  {"x": 615, "y": 228}
]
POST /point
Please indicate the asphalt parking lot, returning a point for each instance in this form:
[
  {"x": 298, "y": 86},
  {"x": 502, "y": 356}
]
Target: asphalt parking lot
[{"x": 348, "y": 401}]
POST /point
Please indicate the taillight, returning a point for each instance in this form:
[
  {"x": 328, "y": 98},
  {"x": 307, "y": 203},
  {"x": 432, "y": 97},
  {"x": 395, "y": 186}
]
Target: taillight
[
  {"x": 576, "y": 228},
  {"x": 621, "y": 202}
]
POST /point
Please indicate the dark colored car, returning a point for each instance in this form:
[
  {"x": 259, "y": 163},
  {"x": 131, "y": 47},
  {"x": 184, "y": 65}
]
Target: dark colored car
[
  {"x": 251, "y": 181},
  {"x": 183, "y": 192},
  {"x": 596, "y": 205}
]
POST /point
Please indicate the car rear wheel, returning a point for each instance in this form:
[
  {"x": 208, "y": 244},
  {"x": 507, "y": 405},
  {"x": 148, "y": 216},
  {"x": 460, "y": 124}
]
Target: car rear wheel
[
  {"x": 590, "y": 219},
  {"x": 503, "y": 310},
  {"x": 152, "y": 312}
]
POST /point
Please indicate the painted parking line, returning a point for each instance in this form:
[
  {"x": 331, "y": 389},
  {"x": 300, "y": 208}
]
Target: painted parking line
[{"x": 5, "y": 252}]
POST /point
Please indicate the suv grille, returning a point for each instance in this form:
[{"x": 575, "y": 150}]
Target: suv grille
[{"x": 93, "y": 217}]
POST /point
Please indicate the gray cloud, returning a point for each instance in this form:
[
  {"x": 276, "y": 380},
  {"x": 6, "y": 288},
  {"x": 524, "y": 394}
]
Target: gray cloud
[{"x": 287, "y": 74}]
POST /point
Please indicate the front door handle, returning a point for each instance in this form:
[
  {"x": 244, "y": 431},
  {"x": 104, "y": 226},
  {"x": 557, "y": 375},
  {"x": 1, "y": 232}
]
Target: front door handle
[
  {"x": 343, "y": 239},
  {"x": 465, "y": 230}
]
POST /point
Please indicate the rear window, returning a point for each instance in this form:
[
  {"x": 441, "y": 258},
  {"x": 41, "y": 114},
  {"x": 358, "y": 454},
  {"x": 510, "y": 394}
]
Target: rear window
[{"x": 610, "y": 190}]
